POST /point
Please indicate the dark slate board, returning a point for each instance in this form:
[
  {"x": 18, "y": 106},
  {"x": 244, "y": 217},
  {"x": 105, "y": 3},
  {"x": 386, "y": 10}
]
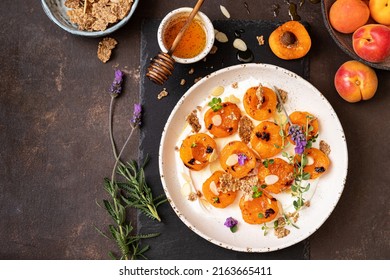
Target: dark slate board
[{"x": 176, "y": 240}]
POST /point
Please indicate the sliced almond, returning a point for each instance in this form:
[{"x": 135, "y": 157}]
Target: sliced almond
[
  {"x": 217, "y": 91},
  {"x": 224, "y": 11},
  {"x": 213, "y": 188},
  {"x": 271, "y": 179},
  {"x": 216, "y": 120},
  {"x": 232, "y": 98},
  {"x": 240, "y": 45},
  {"x": 310, "y": 160},
  {"x": 232, "y": 160},
  {"x": 186, "y": 177},
  {"x": 186, "y": 189},
  {"x": 221, "y": 37}
]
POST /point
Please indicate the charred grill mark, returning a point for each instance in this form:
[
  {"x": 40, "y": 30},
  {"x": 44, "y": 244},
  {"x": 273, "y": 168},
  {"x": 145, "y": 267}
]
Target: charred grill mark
[
  {"x": 191, "y": 161},
  {"x": 210, "y": 126},
  {"x": 209, "y": 150}
]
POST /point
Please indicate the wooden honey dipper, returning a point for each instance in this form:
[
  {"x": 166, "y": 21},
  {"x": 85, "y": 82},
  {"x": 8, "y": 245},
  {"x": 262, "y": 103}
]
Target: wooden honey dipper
[{"x": 162, "y": 65}]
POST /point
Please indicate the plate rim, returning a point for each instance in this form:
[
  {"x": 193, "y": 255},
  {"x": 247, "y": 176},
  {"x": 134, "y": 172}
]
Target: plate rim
[{"x": 186, "y": 221}]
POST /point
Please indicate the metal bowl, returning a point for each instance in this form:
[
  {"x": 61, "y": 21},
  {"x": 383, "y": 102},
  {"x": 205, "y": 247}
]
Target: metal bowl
[
  {"x": 56, "y": 11},
  {"x": 344, "y": 41}
]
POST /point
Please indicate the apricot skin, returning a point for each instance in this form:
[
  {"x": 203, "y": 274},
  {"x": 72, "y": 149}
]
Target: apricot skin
[{"x": 348, "y": 15}]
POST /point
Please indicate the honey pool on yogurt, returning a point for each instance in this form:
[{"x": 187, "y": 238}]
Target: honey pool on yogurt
[{"x": 193, "y": 41}]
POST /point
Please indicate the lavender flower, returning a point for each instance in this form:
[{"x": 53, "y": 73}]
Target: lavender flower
[
  {"x": 136, "y": 119},
  {"x": 298, "y": 137},
  {"x": 116, "y": 87},
  {"x": 231, "y": 223},
  {"x": 241, "y": 159}
]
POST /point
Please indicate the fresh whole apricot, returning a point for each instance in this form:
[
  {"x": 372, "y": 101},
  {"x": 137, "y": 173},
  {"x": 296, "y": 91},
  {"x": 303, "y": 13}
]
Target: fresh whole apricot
[
  {"x": 348, "y": 15},
  {"x": 380, "y": 11},
  {"x": 290, "y": 41},
  {"x": 372, "y": 42},
  {"x": 355, "y": 81}
]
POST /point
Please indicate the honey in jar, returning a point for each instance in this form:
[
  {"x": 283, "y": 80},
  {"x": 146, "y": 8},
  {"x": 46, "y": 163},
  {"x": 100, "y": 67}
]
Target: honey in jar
[{"x": 193, "y": 41}]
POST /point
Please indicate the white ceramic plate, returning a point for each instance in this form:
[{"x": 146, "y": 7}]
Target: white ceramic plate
[{"x": 208, "y": 221}]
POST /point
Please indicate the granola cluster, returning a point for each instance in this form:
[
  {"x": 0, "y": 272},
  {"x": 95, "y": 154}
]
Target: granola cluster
[
  {"x": 97, "y": 15},
  {"x": 105, "y": 48}
]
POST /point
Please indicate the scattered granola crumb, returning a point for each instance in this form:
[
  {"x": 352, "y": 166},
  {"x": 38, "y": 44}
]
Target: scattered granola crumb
[
  {"x": 324, "y": 147},
  {"x": 245, "y": 128},
  {"x": 193, "y": 121},
  {"x": 307, "y": 203},
  {"x": 260, "y": 40},
  {"x": 105, "y": 48},
  {"x": 235, "y": 85},
  {"x": 177, "y": 148},
  {"x": 182, "y": 82},
  {"x": 228, "y": 183},
  {"x": 205, "y": 59},
  {"x": 294, "y": 216},
  {"x": 213, "y": 50},
  {"x": 191, "y": 71},
  {"x": 162, "y": 94},
  {"x": 199, "y": 108},
  {"x": 281, "y": 232},
  {"x": 197, "y": 80},
  {"x": 283, "y": 95},
  {"x": 281, "y": 222},
  {"x": 192, "y": 196},
  {"x": 260, "y": 96}
]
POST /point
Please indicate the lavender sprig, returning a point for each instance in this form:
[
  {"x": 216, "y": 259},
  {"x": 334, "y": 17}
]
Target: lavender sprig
[
  {"x": 121, "y": 231},
  {"x": 116, "y": 86},
  {"x": 136, "y": 119},
  {"x": 115, "y": 90}
]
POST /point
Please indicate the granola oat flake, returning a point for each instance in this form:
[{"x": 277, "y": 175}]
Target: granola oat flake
[{"x": 97, "y": 15}]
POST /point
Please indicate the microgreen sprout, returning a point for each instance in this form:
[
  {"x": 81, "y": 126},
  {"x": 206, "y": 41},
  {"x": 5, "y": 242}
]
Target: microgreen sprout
[
  {"x": 267, "y": 162},
  {"x": 256, "y": 192},
  {"x": 215, "y": 104}
]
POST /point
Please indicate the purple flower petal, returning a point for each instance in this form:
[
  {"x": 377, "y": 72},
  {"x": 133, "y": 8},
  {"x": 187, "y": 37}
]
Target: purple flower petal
[
  {"x": 298, "y": 137},
  {"x": 116, "y": 86},
  {"x": 241, "y": 159},
  {"x": 230, "y": 222},
  {"x": 136, "y": 119}
]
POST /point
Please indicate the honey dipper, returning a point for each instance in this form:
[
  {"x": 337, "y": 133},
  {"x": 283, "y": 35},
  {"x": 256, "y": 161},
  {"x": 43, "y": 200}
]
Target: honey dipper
[{"x": 162, "y": 65}]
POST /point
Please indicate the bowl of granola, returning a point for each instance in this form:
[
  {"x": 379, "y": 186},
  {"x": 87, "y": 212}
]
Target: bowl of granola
[{"x": 90, "y": 18}]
